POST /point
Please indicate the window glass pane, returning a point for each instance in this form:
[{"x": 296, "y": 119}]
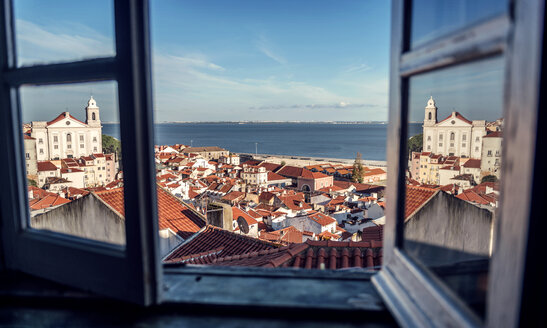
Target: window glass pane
[
  {"x": 64, "y": 30},
  {"x": 261, "y": 110},
  {"x": 453, "y": 185},
  {"x": 432, "y": 19},
  {"x": 73, "y": 160}
]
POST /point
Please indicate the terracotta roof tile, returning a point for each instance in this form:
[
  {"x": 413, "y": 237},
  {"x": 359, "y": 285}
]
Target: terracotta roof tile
[
  {"x": 416, "y": 197},
  {"x": 213, "y": 238},
  {"x": 458, "y": 116},
  {"x": 312, "y": 255},
  {"x": 62, "y": 116},
  {"x": 46, "y": 166},
  {"x": 172, "y": 213}
]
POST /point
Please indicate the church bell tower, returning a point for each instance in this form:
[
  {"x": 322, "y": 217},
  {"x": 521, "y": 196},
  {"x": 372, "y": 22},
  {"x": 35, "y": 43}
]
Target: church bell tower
[
  {"x": 430, "y": 113},
  {"x": 92, "y": 113}
]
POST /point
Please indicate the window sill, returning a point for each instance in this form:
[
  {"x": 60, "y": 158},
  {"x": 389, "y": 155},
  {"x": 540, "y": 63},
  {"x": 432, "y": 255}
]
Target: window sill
[
  {"x": 350, "y": 290},
  {"x": 205, "y": 297}
]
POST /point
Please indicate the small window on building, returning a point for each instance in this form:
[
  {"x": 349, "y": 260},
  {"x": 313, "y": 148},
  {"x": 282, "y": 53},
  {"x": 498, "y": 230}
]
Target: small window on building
[
  {"x": 477, "y": 139},
  {"x": 68, "y": 137},
  {"x": 69, "y": 146},
  {"x": 81, "y": 145},
  {"x": 464, "y": 145},
  {"x": 489, "y": 153},
  {"x": 94, "y": 139},
  {"x": 56, "y": 146},
  {"x": 428, "y": 138},
  {"x": 464, "y": 137},
  {"x": 81, "y": 138},
  {"x": 55, "y": 139},
  {"x": 452, "y": 136},
  {"x": 40, "y": 141},
  {"x": 41, "y": 151}
]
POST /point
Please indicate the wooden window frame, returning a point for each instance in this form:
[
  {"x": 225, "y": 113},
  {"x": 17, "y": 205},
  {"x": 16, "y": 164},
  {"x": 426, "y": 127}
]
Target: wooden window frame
[
  {"x": 129, "y": 273},
  {"x": 416, "y": 297}
]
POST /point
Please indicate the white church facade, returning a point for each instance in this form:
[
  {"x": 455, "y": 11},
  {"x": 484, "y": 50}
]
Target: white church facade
[
  {"x": 453, "y": 136},
  {"x": 67, "y": 137}
]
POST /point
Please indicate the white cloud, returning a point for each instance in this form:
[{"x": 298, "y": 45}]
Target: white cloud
[
  {"x": 358, "y": 68},
  {"x": 265, "y": 46},
  {"x": 37, "y": 44}
]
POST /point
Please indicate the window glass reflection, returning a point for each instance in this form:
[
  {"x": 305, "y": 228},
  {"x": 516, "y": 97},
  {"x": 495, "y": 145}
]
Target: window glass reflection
[
  {"x": 63, "y": 31},
  {"x": 73, "y": 160},
  {"x": 453, "y": 173},
  {"x": 432, "y": 19}
]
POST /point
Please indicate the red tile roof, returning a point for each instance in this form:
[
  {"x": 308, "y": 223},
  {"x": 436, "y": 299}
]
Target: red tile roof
[
  {"x": 237, "y": 212},
  {"x": 233, "y": 195},
  {"x": 321, "y": 218},
  {"x": 458, "y": 116},
  {"x": 47, "y": 201},
  {"x": 373, "y": 233},
  {"x": 474, "y": 197},
  {"x": 307, "y": 174},
  {"x": 473, "y": 164},
  {"x": 291, "y": 171},
  {"x": 327, "y": 235},
  {"x": 311, "y": 255},
  {"x": 172, "y": 213},
  {"x": 270, "y": 166},
  {"x": 294, "y": 202},
  {"x": 416, "y": 197},
  {"x": 46, "y": 166},
  {"x": 62, "y": 116},
  {"x": 212, "y": 238},
  {"x": 275, "y": 177},
  {"x": 496, "y": 134},
  {"x": 286, "y": 235}
]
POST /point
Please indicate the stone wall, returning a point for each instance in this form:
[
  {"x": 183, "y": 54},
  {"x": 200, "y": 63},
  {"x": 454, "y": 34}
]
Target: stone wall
[
  {"x": 86, "y": 217},
  {"x": 453, "y": 226}
]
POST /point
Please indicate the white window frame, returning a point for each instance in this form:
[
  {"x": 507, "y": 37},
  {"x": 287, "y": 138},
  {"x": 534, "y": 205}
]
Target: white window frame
[
  {"x": 415, "y": 297},
  {"x": 129, "y": 273}
]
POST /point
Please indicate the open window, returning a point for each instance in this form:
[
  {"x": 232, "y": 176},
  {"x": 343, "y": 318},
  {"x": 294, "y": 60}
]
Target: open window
[
  {"x": 448, "y": 49},
  {"x": 128, "y": 270}
]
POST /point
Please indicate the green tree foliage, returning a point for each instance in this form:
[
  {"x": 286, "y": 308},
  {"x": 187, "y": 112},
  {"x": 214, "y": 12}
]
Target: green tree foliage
[
  {"x": 111, "y": 145},
  {"x": 283, "y": 163},
  {"x": 358, "y": 171},
  {"x": 32, "y": 182},
  {"x": 415, "y": 143},
  {"x": 489, "y": 178}
]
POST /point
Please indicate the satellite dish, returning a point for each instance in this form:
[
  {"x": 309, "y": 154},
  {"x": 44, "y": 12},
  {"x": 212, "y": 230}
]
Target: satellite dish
[{"x": 243, "y": 225}]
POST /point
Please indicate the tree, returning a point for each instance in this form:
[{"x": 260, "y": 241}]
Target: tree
[
  {"x": 358, "y": 171},
  {"x": 112, "y": 145},
  {"x": 283, "y": 163},
  {"x": 415, "y": 143},
  {"x": 489, "y": 178},
  {"x": 32, "y": 182}
]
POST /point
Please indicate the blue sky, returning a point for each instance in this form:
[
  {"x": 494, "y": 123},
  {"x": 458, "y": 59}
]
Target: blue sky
[
  {"x": 224, "y": 60},
  {"x": 254, "y": 60}
]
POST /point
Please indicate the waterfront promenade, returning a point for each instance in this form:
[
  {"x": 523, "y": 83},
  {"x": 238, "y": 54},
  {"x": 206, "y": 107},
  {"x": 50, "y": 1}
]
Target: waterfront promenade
[{"x": 305, "y": 161}]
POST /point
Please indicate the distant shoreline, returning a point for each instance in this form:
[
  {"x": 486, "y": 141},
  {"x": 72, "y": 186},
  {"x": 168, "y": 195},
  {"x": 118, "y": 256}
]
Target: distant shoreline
[
  {"x": 266, "y": 122},
  {"x": 299, "y": 160}
]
